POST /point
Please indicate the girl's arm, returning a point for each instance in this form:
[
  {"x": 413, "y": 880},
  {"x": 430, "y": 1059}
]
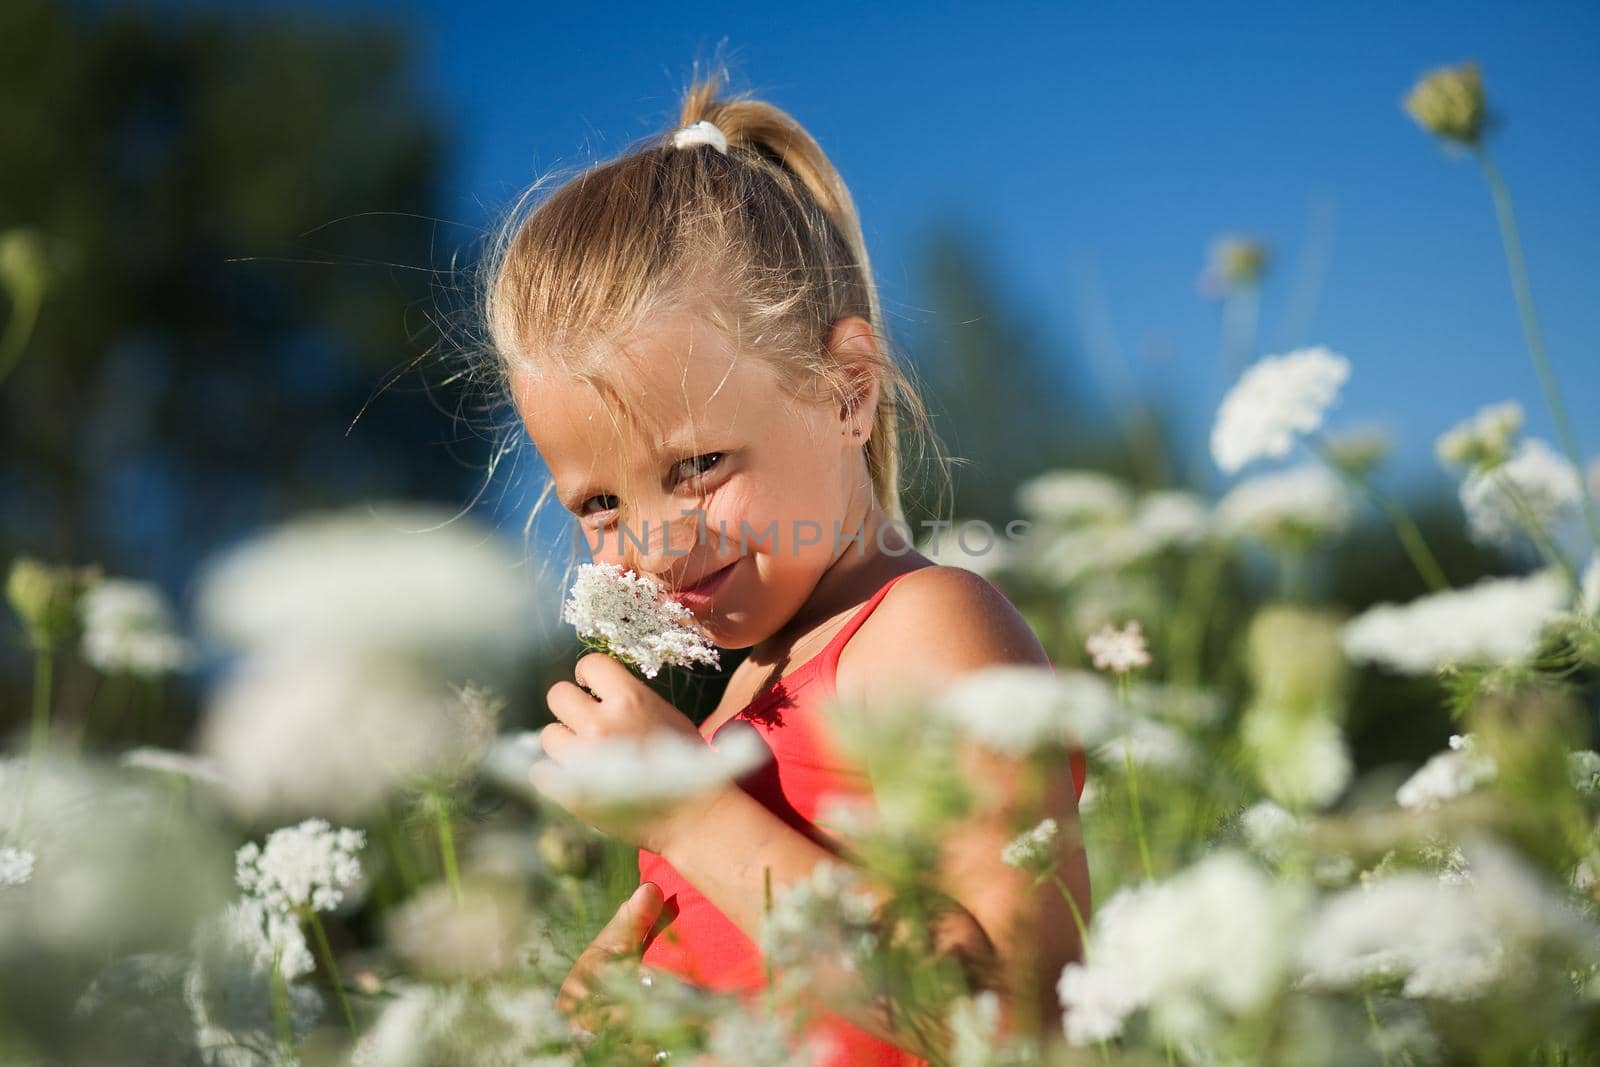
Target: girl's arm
[{"x": 1006, "y": 933}]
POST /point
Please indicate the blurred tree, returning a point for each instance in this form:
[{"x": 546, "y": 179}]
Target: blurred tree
[
  {"x": 1000, "y": 400},
  {"x": 172, "y": 395},
  {"x": 239, "y": 211}
]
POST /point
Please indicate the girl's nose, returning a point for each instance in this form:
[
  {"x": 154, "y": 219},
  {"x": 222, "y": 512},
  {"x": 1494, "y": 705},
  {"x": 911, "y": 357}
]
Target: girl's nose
[{"x": 659, "y": 546}]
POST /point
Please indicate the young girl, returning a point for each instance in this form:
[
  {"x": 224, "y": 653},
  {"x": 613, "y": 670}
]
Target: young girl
[{"x": 691, "y": 334}]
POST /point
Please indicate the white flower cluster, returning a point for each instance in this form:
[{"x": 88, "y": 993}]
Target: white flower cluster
[
  {"x": 1537, "y": 487},
  {"x": 1217, "y": 937},
  {"x": 1275, "y": 399},
  {"x": 1447, "y": 775},
  {"x": 1484, "y": 439},
  {"x": 1301, "y": 502},
  {"x": 1032, "y": 850},
  {"x": 16, "y": 866},
  {"x": 1089, "y": 524},
  {"x": 1448, "y": 937},
  {"x": 628, "y": 616},
  {"x": 1496, "y": 620},
  {"x": 1074, "y": 496},
  {"x": 305, "y": 866},
  {"x": 826, "y": 916},
  {"x": 641, "y": 771},
  {"x": 265, "y": 936},
  {"x": 1016, "y": 709},
  {"x": 1117, "y": 650},
  {"x": 127, "y": 626}
]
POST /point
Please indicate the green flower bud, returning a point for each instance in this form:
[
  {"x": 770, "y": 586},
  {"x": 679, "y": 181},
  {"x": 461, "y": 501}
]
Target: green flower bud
[
  {"x": 1448, "y": 102},
  {"x": 46, "y": 598},
  {"x": 566, "y": 849}
]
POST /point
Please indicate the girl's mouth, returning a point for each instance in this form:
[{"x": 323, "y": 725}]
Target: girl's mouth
[{"x": 700, "y": 594}]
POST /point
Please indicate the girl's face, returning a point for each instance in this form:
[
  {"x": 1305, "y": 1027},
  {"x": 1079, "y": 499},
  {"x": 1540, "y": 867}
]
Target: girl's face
[{"x": 714, "y": 449}]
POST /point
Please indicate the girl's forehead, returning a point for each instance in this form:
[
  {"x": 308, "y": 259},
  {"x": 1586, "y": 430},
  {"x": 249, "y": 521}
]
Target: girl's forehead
[{"x": 681, "y": 378}]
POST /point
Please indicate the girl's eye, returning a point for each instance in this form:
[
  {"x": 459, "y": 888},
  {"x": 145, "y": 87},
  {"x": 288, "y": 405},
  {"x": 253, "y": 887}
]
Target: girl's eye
[
  {"x": 689, "y": 468},
  {"x": 697, "y": 465}
]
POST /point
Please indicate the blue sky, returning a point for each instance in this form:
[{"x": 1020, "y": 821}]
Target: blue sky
[{"x": 1112, "y": 143}]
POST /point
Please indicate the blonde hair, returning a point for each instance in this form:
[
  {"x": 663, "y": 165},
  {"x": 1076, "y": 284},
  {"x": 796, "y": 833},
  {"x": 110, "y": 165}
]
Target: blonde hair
[{"x": 764, "y": 242}]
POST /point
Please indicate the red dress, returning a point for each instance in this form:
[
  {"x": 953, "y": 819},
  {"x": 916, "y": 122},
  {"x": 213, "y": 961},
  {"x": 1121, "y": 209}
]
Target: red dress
[{"x": 703, "y": 946}]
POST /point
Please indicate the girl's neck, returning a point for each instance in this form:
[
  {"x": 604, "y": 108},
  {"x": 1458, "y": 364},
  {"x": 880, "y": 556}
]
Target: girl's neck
[{"x": 857, "y": 566}]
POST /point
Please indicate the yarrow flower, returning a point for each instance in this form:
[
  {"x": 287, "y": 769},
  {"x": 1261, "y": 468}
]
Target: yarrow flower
[
  {"x": 262, "y": 935},
  {"x": 1119, "y": 651},
  {"x": 1213, "y": 938},
  {"x": 127, "y": 626},
  {"x": 1535, "y": 485},
  {"x": 305, "y": 866},
  {"x": 627, "y": 615},
  {"x": 827, "y": 915},
  {"x": 1447, "y": 775},
  {"x": 1017, "y": 709},
  {"x": 643, "y": 771},
  {"x": 16, "y": 866},
  {"x": 1295, "y": 505},
  {"x": 1496, "y": 620},
  {"x": 1483, "y": 440},
  {"x": 1275, "y": 399},
  {"x": 1032, "y": 850}
]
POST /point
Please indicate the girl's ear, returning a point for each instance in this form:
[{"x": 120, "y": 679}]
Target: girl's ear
[{"x": 852, "y": 345}]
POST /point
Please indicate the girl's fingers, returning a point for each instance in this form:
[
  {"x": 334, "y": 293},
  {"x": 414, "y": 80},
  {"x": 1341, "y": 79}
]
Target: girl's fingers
[
  {"x": 569, "y": 703},
  {"x": 555, "y": 738}
]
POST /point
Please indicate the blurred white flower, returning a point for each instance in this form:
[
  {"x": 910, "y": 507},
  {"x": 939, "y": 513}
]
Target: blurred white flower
[
  {"x": 1032, "y": 850},
  {"x": 1183, "y": 705},
  {"x": 127, "y": 626},
  {"x": 1484, "y": 439},
  {"x": 1015, "y": 709},
  {"x": 1118, "y": 651},
  {"x": 167, "y": 761},
  {"x": 230, "y": 987},
  {"x": 1537, "y": 478},
  {"x": 305, "y": 866},
  {"x": 750, "y": 1040},
  {"x": 16, "y": 866},
  {"x": 482, "y": 933},
  {"x": 1270, "y": 829},
  {"x": 1275, "y": 399},
  {"x": 628, "y": 615},
  {"x": 826, "y": 917},
  {"x": 1217, "y": 937},
  {"x": 264, "y": 935},
  {"x": 972, "y": 545},
  {"x": 1171, "y": 518},
  {"x": 1447, "y": 775},
  {"x": 1150, "y": 743},
  {"x": 1299, "y": 503},
  {"x": 642, "y": 771},
  {"x": 427, "y": 1025},
  {"x": 295, "y": 736},
  {"x": 976, "y": 1040},
  {"x": 391, "y": 581},
  {"x": 1496, "y": 620},
  {"x": 1448, "y": 939},
  {"x": 1073, "y": 496},
  {"x": 509, "y": 760}
]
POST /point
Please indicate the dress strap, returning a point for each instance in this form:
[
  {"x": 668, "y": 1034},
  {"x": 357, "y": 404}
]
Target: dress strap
[{"x": 829, "y": 657}]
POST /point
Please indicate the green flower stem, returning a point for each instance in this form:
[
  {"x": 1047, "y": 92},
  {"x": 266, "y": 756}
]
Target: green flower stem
[
  {"x": 328, "y": 961},
  {"x": 1523, "y": 291},
  {"x": 1377, "y": 1030},
  {"x": 447, "y": 846},
  {"x": 44, "y": 665},
  {"x": 1133, "y": 786},
  {"x": 280, "y": 1008},
  {"x": 1201, "y": 579},
  {"x": 1411, "y": 539}
]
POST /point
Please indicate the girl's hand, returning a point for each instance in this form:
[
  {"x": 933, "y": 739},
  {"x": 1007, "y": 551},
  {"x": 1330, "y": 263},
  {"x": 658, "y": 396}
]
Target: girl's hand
[
  {"x": 621, "y": 706},
  {"x": 621, "y": 937}
]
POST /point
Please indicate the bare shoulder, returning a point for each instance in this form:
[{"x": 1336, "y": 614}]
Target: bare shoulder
[{"x": 936, "y": 622}]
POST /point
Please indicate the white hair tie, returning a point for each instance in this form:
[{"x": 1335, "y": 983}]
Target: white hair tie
[{"x": 702, "y": 132}]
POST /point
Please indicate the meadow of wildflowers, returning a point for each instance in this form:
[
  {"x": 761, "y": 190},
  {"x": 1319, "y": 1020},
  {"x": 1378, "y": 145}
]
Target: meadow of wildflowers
[{"x": 350, "y": 864}]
